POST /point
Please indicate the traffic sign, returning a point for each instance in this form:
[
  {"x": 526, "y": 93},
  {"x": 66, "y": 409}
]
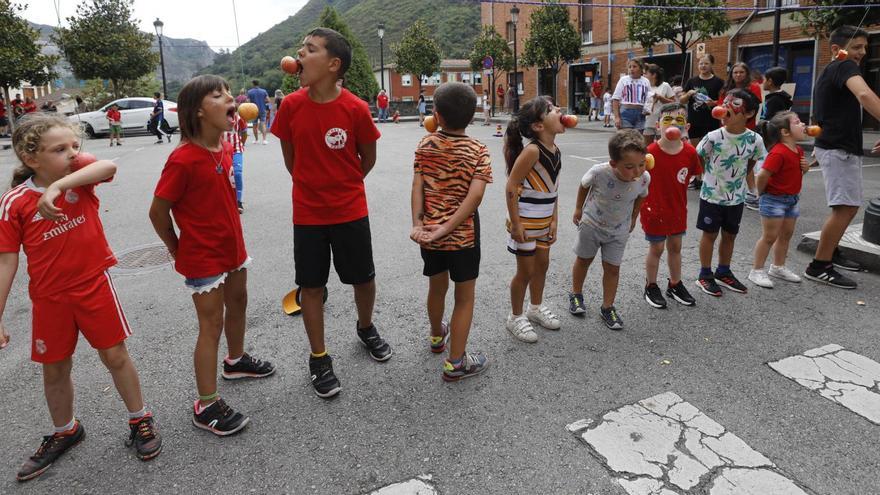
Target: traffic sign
[{"x": 488, "y": 62}]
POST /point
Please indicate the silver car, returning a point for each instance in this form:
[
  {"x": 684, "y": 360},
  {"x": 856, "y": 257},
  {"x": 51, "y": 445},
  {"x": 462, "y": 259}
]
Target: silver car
[{"x": 135, "y": 114}]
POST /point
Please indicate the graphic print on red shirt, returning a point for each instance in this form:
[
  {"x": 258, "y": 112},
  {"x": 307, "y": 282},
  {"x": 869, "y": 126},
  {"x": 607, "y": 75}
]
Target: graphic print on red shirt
[
  {"x": 328, "y": 181},
  {"x": 664, "y": 211},
  {"x": 785, "y": 165}
]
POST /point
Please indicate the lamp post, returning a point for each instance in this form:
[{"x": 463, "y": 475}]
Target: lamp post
[
  {"x": 158, "y": 25},
  {"x": 514, "y": 17},
  {"x": 382, "y": 54}
]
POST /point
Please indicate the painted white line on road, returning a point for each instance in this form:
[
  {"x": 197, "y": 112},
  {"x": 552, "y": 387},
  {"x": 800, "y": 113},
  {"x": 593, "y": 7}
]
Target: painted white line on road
[
  {"x": 417, "y": 486},
  {"x": 842, "y": 376},
  {"x": 597, "y": 159},
  {"x": 663, "y": 445},
  {"x": 138, "y": 150}
]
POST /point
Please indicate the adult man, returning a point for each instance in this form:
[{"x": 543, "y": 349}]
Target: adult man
[
  {"x": 382, "y": 105},
  {"x": 259, "y": 97},
  {"x": 156, "y": 118}
]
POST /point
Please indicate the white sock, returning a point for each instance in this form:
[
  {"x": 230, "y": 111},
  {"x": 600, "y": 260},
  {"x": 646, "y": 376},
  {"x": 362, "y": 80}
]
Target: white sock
[
  {"x": 533, "y": 307},
  {"x": 67, "y": 427},
  {"x": 233, "y": 362},
  {"x": 138, "y": 414},
  {"x": 514, "y": 316}
]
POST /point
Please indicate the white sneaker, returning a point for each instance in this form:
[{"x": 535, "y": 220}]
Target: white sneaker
[
  {"x": 265, "y": 142},
  {"x": 760, "y": 278},
  {"x": 781, "y": 272},
  {"x": 521, "y": 329},
  {"x": 544, "y": 317}
]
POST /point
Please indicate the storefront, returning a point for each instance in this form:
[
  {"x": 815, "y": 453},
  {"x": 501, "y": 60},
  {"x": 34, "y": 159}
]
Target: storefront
[
  {"x": 797, "y": 59},
  {"x": 580, "y": 79}
]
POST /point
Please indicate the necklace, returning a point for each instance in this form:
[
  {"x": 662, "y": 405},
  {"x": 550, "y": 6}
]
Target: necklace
[{"x": 217, "y": 163}]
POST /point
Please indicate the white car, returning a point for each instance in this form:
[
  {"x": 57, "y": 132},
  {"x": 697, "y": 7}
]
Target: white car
[{"x": 135, "y": 114}]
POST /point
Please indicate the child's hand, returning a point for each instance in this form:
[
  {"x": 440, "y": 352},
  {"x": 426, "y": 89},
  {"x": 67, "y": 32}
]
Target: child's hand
[
  {"x": 432, "y": 233},
  {"x": 576, "y": 218},
  {"x": 416, "y": 233},
  {"x": 46, "y": 204},
  {"x": 4, "y": 337},
  {"x": 518, "y": 232},
  {"x": 552, "y": 233},
  {"x": 805, "y": 167}
]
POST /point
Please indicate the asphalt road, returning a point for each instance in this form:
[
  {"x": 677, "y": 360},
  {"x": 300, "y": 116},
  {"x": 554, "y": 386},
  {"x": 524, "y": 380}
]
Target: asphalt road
[{"x": 504, "y": 432}]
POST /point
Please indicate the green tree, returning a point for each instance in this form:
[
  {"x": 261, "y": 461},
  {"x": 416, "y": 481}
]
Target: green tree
[
  {"x": 417, "y": 53},
  {"x": 553, "y": 41},
  {"x": 20, "y": 57},
  {"x": 682, "y": 27},
  {"x": 104, "y": 42},
  {"x": 289, "y": 84},
  {"x": 359, "y": 78},
  {"x": 490, "y": 43},
  {"x": 821, "y": 22}
]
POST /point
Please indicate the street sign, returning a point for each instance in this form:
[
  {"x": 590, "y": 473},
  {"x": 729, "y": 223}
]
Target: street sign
[{"x": 488, "y": 62}]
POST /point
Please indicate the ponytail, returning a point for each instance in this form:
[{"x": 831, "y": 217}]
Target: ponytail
[
  {"x": 512, "y": 143},
  {"x": 520, "y": 126},
  {"x": 771, "y": 130}
]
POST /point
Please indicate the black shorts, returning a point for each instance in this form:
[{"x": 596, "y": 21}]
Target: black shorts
[
  {"x": 462, "y": 265},
  {"x": 713, "y": 218},
  {"x": 351, "y": 247}
]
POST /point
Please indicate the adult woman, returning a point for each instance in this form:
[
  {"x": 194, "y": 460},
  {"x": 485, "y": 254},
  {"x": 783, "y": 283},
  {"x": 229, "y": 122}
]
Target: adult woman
[
  {"x": 741, "y": 78},
  {"x": 422, "y": 108},
  {"x": 500, "y": 93},
  {"x": 661, "y": 93},
  {"x": 628, "y": 100}
]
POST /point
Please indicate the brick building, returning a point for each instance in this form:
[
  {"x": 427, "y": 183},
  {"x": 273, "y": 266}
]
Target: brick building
[
  {"x": 605, "y": 52},
  {"x": 405, "y": 87}
]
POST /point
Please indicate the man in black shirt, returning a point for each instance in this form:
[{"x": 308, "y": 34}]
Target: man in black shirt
[{"x": 840, "y": 94}]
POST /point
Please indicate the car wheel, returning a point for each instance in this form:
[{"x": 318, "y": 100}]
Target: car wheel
[{"x": 90, "y": 132}]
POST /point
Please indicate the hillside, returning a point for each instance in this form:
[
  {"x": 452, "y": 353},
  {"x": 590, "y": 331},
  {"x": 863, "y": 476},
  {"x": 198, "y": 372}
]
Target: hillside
[{"x": 454, "y": 24}]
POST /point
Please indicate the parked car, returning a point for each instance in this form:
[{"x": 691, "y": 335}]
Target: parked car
[{"x": 135, "y": 116}]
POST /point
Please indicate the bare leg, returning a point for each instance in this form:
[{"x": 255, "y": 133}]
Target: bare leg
[
  {"x": 652, "y": 261},
  {"x": 579, "y": 274},
  {"x": 707, "y": 246},
  {"x": 364, "y": 299},
  {"x": 771, "y": 228},
  {"x": 610, "y": 279},
  {"x": 725, "y": 248},
  {"x": 58, "y": 388},
  {"x": 835, "y": 226},
  {"x": 124, "y": 374},
  {"x": 209, "y": 309},
  {"x": 673, "y": 258},
  {"x": 462, "y": 316},
  {"x": 312, "y": 302},
  {"x": 539, "y": 276},
  {"x": 235, "y": 299},
  {"x": 525, "y": 268},
  {"x": 438, "y": 285},
  {"x": 780, "y": 249}
]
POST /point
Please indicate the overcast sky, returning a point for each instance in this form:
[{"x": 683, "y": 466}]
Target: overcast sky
[{"x": 206, "y": 20}]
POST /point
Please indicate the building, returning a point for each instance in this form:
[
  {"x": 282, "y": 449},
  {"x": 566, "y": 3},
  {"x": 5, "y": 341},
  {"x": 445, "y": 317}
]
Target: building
[{"x": 405, "y": 87}]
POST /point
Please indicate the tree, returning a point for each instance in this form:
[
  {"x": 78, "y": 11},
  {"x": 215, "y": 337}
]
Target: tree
[
  {"x": 359, "y": 78},
  {"x": 822, "y": 22},
  {"x": 553, "y": 41},
  {"x": 490, "y": 44},
  {"x": 417, "y": 53},
  {"x": 289, "y": 84},
  {"x": 683, "y": 28},
  {"x": 104, "y": 42},
  {"x": 20, "y": 57}
]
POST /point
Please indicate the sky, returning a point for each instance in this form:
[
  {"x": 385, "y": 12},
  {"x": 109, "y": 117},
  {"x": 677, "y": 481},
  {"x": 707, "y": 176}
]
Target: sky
[{"x": 206, "y": 20}]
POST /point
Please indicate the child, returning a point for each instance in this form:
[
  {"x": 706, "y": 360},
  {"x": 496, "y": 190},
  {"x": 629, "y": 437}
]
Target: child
[
  {"x": 532, "y": 183},
  {"x": 156, "y": 118},
  {"x": 608, "y": 202},
  {"x": 606, "y": 108},
  {"x": 52, "y": 211},
  {"x": 487, "y": 108},
  {"x": 779, "y": 184},
  {"x": 728, "y": 154},
  {"x": 777, "y": 100},
  {"x": 115, "y": 119},
  {"x": 328, "y": 140},
  {"x": 235, "y": 139},
  {"x": 450, "y": 176},
  {"x": 395, "y": 117},
  {"x": 664, "y": 212},
  {"x": 197, "y": 187},
  {"x": 628, "y": 101}
]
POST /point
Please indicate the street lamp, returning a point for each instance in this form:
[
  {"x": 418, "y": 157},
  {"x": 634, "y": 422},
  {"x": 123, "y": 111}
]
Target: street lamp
[
  {"x": 514, "y": 17},
  {"x": 158, "y": 25},
  {"x": 382, "y": 54}
]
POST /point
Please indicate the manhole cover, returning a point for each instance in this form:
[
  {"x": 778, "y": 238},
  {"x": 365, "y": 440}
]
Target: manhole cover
[{"x": 142, "y": 259}]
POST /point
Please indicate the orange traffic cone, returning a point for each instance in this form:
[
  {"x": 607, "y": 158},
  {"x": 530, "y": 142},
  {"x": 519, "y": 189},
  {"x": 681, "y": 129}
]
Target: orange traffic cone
[{"x": 498, "y": 131}]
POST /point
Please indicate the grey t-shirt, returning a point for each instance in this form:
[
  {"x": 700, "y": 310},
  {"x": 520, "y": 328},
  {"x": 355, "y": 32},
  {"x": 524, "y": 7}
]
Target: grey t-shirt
[{"x": 609, "y": 204}]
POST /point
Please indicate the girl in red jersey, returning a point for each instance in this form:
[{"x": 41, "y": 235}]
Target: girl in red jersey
[
  {"x": 52, "y": 211},
  {"x": 197, "y": 185}
]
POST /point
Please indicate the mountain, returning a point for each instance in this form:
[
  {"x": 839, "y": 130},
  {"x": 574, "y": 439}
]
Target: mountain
[{"x": 454, "y": 24}]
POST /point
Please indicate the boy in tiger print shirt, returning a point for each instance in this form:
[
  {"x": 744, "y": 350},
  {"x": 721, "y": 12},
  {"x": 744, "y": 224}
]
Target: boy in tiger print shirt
[{"x": 451, "y": 171}]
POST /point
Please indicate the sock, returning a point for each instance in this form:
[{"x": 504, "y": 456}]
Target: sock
[
  {"x": 138, "y": 414},
  {"x": 819, "y": 265},
  {"x": 319, "y": 355},
  {"x": 361, "y": 329},
  {"x": 233, "y": 362},
  {"x": 456, "y": 362},
  {"x": 534, "y": 307},
  {"x": 66, "y": 428},
  {"x": 705, "y": 271},
  {"x": 725, "y": 269},
  {"x": 514, "y": 316}
]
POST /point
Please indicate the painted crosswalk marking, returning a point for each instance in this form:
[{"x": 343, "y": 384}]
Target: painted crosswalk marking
[
  {"x": 663, "y": 445},
  {"x": 837, "y": 374},
  {"x": 420, "y": 485}
]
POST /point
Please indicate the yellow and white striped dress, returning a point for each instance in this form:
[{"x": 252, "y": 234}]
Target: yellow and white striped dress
[{"x": 537, "y": 201}]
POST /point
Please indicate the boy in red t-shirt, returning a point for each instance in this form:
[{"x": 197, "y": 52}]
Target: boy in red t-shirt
[
  {"x": 4, "y": 122},
  {"x": 115, "y": 120},
  {"x": 664, "y": 212},
  {"x": 328, "y": 140}
]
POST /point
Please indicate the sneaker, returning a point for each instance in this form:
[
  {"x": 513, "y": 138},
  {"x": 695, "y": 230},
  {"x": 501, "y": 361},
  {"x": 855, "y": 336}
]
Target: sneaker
[
  {"x": 160, "y": 141},
  {"x": 783, "y": 273},
  {"x": 50, "y": 450},
  {"x": 219, "y": 419},
  {"x": 760, "y": 278},
  {"x": 843, "y": 263},
  {"x": 472, "y": 364},
  {"x": 695, "y": 184},
  {"x": 438, "y": 342},
  {"x": 679, "y": 293},
  {"x": 611, "y": 318},
  {"x": 544, "y": 317},
  {"x": 118, "y": 144},
  {"x": 730, "y": 282},
  {"x": 751, "y": 202},
  {"x": 144, "y": 437},
  {"x": 707, "y": 284},
  {"x": 379, "y": 349},
  {"x": 265, "y": 142},
  {"x": 240, "y": 207},
  {"x": 829, "y": 276},
  {"x": 323, "y": 379},
  {"x": 576, "y": 304},
  {"x": 521, "y": 328},
  {"x": 654, "y": 297},
  {"x": 247, "y": 367}
]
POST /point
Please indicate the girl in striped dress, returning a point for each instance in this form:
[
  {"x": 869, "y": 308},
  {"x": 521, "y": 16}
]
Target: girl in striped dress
[{"x": 532, "y": 180}]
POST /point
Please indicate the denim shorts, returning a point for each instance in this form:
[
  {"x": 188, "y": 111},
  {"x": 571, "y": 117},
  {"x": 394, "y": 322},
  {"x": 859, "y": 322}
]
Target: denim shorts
[
  {"x": 207, "y": 284},
  {"x": 632, "y": 118},
  {"x": 661, "y": 238},
  {"x": 783, "y": 205}
]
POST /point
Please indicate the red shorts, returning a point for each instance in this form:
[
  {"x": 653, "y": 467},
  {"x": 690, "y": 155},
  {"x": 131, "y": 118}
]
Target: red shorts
[{"x": 91, "y": 308}]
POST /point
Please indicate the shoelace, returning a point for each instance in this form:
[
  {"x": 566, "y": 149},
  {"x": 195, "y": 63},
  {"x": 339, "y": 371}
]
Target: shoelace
[
  {"x": 48, "y": 442},
  {"x": 145, "y": 429}
]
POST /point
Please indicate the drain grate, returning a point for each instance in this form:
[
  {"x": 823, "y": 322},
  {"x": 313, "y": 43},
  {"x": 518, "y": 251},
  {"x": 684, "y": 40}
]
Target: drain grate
[{"x": 142, "y": 259}]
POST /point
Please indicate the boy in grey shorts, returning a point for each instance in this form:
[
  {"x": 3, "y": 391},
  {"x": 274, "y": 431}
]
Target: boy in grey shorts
[{"x": 608, "y": 203}]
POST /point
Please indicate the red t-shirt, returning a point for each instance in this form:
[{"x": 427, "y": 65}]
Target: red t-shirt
[
  {"x": 2, "y": 108},
  {"x": 328, "y": 181},
  {"x": 29, "y": 107},
  {"x": 205, "y": 210},
  {"x": 114, "y": 116},
  {"x": 60, "y": 254},
  {"x": 382, "y": 101},
  {"x": 597, "y": 89},
  {"x": 664, "y": 211},
  {"x": 785, "y": 165}
]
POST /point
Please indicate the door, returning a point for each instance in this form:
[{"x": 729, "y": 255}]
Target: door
[{"x": 137, "y": 114}]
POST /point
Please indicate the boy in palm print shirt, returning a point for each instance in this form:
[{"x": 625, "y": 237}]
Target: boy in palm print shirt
[{"x": 728, "y": 154}]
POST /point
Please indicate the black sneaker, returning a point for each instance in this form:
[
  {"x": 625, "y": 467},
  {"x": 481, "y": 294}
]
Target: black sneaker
[
  {"x": 680, "y": 294},
  {"x": 247, "y": 367},
  {"x": 159, "y": 141},
  {"x": 379, "y": 349},
  {"x": 240, "y": 207},
  {"x": 50, "y": 450},
  {"x": 727, "y": 280},
  {"x": 829, "y": 276},
  {"x": 323, "y": 380},
  {"x": 219, "y": 419},
  {"x": 654, "y": 297},
  {"x": 707, "y": 284},
  {"x": 843, "y": 263},
  {"x": 144, "y": 437},
  {"x": 695, "y": 184},
  {"x": 611, "y": 318},
  {"x": 576, "y": 304}
]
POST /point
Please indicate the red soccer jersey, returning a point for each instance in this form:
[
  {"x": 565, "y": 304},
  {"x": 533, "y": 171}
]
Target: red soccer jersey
[
  {"x": 60, "y": 254},
  {"x": 233, "y": 137},
  {"x": 664, "y": 211},
  {"x": 202, "y": 188},
  {"x": 2, "y": 108},
  {"x": 114, "y": 116},
  {"x": 785, "y": 165},
  {"x": 328, "y": 181}
]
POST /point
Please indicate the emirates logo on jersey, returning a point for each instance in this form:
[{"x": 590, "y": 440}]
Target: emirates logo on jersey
[{"x": 336, "y": 138}]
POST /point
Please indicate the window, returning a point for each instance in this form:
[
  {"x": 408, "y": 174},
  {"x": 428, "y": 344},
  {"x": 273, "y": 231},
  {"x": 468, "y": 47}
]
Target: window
[
  {"x": 434, "y": 80},
  {"x": 451, "y": 76},
  {"x": 770, "y": 4},
  {"x": 407, "y": 98},
  {"x": 478, "y": 78},
  {"x": 406, "y": 79},
  {"x": 466, "y": 77},
  {"x": 585, "y": 12},
  {"x": 132, "y": 104},
  {"x": 510, "y": 30}
]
